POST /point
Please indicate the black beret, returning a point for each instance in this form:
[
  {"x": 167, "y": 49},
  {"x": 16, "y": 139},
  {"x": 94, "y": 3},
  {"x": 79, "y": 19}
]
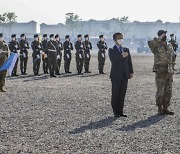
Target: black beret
[
  {"x": 85, "y": 36},
  {"x": 52, "y": 35},
  {"x": 22, "y": 35},
  {"x": 101, "y": 36},
  {"x": 45, "y": 35},
  {"x": 13, "y": 35},
  {"x": 67, "y": 36},
  {"x": 160, "y": 32},
  {"x": 56, "y": 36},
  {"x": 1, "y": 34},
  {"x": 36, "y": 35},
  {"x": 79, "y": 36}
]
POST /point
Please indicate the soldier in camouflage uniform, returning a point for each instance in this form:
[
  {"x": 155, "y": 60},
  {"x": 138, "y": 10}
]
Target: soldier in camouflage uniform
[
  {"x": 102, "y": 46},
  {"x": 163, "y": 67},
  {"x": 3, "y": 57}
]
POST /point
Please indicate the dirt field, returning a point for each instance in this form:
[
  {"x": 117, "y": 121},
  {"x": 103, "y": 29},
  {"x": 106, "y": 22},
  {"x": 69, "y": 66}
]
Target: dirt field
[{"x": 72, "y": 114}]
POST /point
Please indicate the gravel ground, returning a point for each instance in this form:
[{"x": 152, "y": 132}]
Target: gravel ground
[{"x": 72, "y": 114}]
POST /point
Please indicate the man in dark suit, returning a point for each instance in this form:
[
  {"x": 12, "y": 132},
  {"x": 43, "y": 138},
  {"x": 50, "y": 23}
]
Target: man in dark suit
[{"x": 121, "y": 71}]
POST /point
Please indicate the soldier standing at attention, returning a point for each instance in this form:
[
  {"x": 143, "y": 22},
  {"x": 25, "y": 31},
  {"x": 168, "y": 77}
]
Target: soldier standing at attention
[
  {"x": 36, "y": 47},
  {"x": 102, "y": 46},
  {"x": 51, "y": 47},
  {"x": 59, "y": 54},
  {"x": 14, "y": 47},
  {"x": 24, "y": 45},
  {"x": 45, "y": 56},
  {"x": 174, "y": 44},
  {"x": 68, "y": 46},
  {"x": 87, "y": 56},
  {"x": 79, "y": 54},
  {"x": 3, "y": 57},
  {"x": 163, "y": 67}
]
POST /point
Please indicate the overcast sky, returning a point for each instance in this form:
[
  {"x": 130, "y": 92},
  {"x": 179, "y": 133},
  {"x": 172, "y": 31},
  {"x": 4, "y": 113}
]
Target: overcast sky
[{"x": 53, "y": 11}]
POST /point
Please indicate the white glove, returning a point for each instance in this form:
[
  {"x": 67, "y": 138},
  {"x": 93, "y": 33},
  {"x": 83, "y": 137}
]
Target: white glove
[
  {"x": 102, "y": 55},
  {"x": 38, "y": 56},
  {"x": 70, "y": 46},
  {"x": 25, "y": 45},
  {"x": 81, "y": 46},
  {"x": 80, "y": 56},
  {"x": 58, "y": 56},
  {"x": 16, "y": 46},
  {"x": 87, "y": 55},
  {"x": 24, "y": 55},
  {"x": 41, "y": 52},
  {"x": 67, "y": 55},
  {"x": 39, "y": 46}
]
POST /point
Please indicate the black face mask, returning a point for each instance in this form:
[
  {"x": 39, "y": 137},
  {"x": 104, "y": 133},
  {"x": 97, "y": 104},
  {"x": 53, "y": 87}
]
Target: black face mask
[{"x": 164, "y": 38}]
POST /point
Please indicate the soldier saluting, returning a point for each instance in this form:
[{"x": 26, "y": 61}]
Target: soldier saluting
[
  {"x": 51, "y": 47},
  {"x": 14, "y": 47},
  {"x": 102, "y": 46},
  {"x": 59, "y": 54},
  {"x": 68, "y": 46},
  {"x": 79, "y": 54},
  {"x": 45, "y": 56},
  {"x": 24, "y": 45},
  {"x": 163, "y": 67},
  {"x": 36, "y": 47},
  {"x": 87, "y": 55},
  {"x": 3, "y": 57}
]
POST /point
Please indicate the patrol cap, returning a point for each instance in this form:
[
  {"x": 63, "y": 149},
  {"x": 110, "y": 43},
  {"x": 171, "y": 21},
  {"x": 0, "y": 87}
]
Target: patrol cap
[
  {"x": 1, "y": 35},
  {"x": 79, "y": 36},
  {"x": 56, "y": 36},
  {"x": 52, "y": 35},
  {"x": 117, "y": 34},
  {"x": 101, "y": 36},
  {"x": 36, "y": 35},
  {"x": 67, "y": 36},
  {"x": 22, "y": 35},
  {"x": 86, "y": 36},
  {"x": 13, "y": 35},
  {"x": 45, "y": 35},
  {"x": 160, "y": 32}
]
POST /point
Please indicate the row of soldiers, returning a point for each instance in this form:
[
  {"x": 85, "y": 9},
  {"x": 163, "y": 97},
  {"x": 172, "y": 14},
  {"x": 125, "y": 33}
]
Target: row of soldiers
[{"x": 51, "y": 53}]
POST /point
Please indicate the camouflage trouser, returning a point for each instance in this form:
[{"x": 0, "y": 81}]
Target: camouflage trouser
[
  {"x": 2, "y": 78},
  {"x": 164, "y": 89}
]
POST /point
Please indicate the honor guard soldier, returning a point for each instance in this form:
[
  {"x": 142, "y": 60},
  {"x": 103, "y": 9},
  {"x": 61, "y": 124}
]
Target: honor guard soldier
[
  {"x": 52, "y": 55},
  {"x": 24, "y": 45},
  {"x": 45, "y": 54},
  {"x": 59, "y": 54},
  {"x": 3, "y": 57},
  {"x": 174, "y": 44},
  {"x": 68, "y": 47},
  {"x": 102, "y": 46},
  {"x": 87, "y": 55},
  {"x": 79, "y": 54},
  {"x": 36, "y": 55},
  {"x": 14, "y": 47}
]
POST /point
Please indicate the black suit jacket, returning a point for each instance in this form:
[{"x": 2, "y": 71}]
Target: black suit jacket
[{"x": 120, "y": 65}]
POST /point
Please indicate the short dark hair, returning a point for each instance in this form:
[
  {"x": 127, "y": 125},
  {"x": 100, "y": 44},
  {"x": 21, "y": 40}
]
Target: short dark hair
[{"x": 117, "y": 34}]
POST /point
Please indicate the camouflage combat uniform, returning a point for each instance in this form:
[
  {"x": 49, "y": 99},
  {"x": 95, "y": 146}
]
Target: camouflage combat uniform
[
  {"x": 163, "y": 67},
  {"x": 3, "y": 57}
]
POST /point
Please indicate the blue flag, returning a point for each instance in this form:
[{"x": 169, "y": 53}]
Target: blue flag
[{"x": 9, "y": 64}]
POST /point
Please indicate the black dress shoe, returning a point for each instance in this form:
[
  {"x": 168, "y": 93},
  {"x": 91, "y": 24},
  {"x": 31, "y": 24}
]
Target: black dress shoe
[
  {"x": 116, "y": 116},
  {"x": 123, "y": 115},
  {"x": 69, "y": 72},
  {"x": 16, "y": 75},
  {"x": 58, "y": 74}
]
